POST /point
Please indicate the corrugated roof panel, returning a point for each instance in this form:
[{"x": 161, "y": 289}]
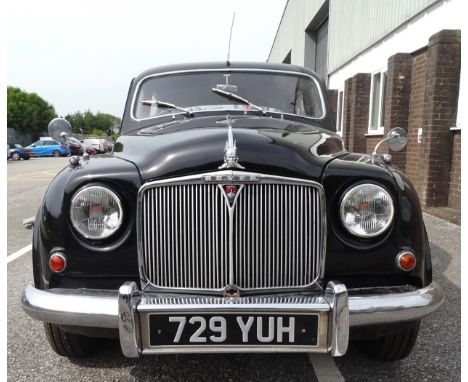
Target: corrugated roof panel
[{"x": 357, "y": 24}]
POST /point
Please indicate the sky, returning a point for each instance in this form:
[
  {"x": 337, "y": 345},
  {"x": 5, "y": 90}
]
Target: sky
[{"x": 81, "y": 55}]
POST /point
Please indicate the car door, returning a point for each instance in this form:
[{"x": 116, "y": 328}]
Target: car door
[
  {"x": 50, "y": 147},
  {"x": 37, "y": 148}
]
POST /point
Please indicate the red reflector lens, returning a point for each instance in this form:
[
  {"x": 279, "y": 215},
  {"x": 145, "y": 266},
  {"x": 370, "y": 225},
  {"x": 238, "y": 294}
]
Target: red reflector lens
[
  {"x": 63, "y": 147},
  {"x": 57, "y": 262},
  {"x": 406, "y": 261}
]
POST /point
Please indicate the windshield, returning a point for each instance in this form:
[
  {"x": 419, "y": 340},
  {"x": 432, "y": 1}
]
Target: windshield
[{"x": 272, "y": 92}]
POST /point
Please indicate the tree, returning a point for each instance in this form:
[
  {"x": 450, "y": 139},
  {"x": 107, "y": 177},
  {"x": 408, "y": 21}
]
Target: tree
[
  {"x": 89, "y": 123},
  {"x": 27, "y": 112}
]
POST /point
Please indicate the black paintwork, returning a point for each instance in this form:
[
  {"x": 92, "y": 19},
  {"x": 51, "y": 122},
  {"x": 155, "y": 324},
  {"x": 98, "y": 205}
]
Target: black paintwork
[{"x": 165, "y": 147}]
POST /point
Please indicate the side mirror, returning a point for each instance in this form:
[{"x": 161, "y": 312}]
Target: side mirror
[
  {"x": 59, "y": 129},
  {"x": 396, "y": 140}
]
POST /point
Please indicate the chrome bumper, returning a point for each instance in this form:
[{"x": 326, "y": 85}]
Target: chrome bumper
[{"x": 127, "y": 310}]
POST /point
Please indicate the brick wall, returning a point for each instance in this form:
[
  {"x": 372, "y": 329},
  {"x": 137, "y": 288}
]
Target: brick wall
[
  {"x": 421, "y": 95},
  {"x": 454, "y": 200},
  {"x": 398, "y": 91},
  {"x": 356, "y": 119},
  {"x": 414, "y": 154},
  {"x": 348, "y": 91},
  {"x": 371, "y": 141},
  {"x": 333, "y": 100},
  {"x": 440, "y": 114}
]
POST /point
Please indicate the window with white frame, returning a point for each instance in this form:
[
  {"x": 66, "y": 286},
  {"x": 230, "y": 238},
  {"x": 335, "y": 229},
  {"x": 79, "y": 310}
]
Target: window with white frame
[
  {"x": 339, "y": 112},
  {"x": 377, "y": 102}
]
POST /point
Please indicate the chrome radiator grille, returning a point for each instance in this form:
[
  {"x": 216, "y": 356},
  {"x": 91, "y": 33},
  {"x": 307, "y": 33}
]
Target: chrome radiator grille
[
  {"x": 185, "y": 236},
  {"x": 192, "y": 237}
]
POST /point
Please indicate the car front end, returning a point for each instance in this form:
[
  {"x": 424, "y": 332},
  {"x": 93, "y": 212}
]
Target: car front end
[{"x": 231, "y": 230}]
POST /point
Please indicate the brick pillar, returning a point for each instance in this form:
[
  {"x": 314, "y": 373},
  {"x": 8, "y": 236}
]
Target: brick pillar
[
  {"x": 398, "y": 91},
  {"x": 347, "y": 95},
  {"x": 440, "y": 113},
  {"x": 359, "y": 112},
  {"x": 333, "y": 100}
]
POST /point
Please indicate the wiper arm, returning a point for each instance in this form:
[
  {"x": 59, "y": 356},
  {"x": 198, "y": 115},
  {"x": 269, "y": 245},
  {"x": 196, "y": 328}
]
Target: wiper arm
[
  {"x": 235, "y": 97},
  {"x": 167, "y": 105}
]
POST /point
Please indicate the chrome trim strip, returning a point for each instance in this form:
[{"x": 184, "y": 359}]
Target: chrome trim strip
[
  {"x": 240, "y": 177},
  {"x": 137, "y": 88},
  {"x": 235, "y": 349}
]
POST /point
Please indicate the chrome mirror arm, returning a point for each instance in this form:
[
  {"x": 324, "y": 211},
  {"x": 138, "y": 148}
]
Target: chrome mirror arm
[{"x": 374, "y": 154}]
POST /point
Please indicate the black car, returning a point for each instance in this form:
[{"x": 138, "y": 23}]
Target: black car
[
  {"x": 230, "y": 218},
  {"x": 17, "y": 152}
]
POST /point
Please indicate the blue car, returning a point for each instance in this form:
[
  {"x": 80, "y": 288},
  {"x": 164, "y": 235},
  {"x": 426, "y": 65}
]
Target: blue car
[
  {"x": 49, "y": 147},
  {"x": 17, "y": 152}
]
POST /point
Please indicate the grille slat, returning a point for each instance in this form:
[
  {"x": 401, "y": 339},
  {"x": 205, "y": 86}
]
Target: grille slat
[{"x": 275, "y": 228}]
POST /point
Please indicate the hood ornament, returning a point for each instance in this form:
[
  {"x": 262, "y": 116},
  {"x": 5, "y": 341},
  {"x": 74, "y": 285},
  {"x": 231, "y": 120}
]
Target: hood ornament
[{"x": 230, "y": 151}]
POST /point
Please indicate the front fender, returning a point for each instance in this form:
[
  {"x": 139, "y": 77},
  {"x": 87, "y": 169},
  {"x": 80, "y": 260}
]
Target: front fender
[
  {"x": 87, "y": 261},
  {"x": 370, "y": 262}
]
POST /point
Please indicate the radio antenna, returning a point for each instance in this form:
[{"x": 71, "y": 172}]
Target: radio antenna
[{"x": 230, "y": 35}]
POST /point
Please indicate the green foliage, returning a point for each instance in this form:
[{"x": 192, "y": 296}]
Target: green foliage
[
  {"x": 97, "y": 124},
  {"x": 27, "y": 112}
]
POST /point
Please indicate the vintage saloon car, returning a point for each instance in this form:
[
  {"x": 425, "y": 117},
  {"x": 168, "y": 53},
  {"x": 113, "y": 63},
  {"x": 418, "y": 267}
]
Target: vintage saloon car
[{"x": 230, "y": 218}]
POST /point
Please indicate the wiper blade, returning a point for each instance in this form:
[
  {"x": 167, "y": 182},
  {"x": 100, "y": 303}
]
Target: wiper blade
[
  {"x": 235, "y": 97},
  {"x": 166, "y": 105}
]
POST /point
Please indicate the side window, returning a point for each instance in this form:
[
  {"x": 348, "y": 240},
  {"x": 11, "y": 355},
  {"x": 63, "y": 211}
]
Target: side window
[
  {"x": 38, "y": 143},
  {"x": 377, "y": 102}
]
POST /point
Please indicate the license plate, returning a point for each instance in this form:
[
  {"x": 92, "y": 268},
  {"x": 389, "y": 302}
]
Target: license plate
[{"x": 233, "y": 329}]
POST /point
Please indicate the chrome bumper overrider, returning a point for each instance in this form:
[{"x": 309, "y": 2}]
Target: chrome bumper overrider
[{"x": 128, "y": 309}]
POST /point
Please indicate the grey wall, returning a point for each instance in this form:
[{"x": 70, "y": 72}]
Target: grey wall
[
  {"x": 291, "y": 35},
  {"x": 354, "y": 25},
  {"x": 357, "y": 24}
]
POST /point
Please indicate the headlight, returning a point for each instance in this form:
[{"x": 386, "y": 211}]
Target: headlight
[
  {"x": 96, "y": 212},
  {"x": 366, "y": 210}
]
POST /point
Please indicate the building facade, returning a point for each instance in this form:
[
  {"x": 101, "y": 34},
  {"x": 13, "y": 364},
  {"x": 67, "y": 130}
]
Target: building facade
[{"x": 388, "y": 64}]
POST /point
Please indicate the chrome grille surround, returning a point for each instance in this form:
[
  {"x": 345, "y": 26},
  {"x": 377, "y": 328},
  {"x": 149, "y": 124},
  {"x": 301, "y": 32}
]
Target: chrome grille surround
[{"x": 219, "y": 245}]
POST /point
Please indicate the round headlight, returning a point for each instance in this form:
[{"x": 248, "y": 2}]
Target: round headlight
[
  {"x": 96, "y": 212},
  {"x": 366, "y": 210}
]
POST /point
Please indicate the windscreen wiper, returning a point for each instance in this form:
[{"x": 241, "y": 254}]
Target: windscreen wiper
[
  {"x": 235, "y": 97},
  {"x": 166, "y": 105}
]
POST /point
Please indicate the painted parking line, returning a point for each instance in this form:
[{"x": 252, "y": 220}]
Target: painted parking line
[
  {"x": 19, "y": 253},
  {"x": 325, "y": 368}
]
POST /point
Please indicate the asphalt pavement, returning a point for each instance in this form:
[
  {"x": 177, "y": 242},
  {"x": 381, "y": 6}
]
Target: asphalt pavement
[{"x": 436, "y": 356}]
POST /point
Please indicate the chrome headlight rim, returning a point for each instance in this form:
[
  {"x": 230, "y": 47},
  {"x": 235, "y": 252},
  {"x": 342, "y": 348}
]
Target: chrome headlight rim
[
  {"x": 347, "y": 194},
  {"x": 114, "y": 195}
]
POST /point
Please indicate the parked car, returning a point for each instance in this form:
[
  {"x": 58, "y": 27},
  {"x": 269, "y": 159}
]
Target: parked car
[
  {"x": 49, "y": 147},
  {"x": 75, "y": 149},
  {"x": 17, "y": 152},
  {"x": 230, "y": 218},
  {"x": 99, "y": 144}
]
